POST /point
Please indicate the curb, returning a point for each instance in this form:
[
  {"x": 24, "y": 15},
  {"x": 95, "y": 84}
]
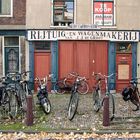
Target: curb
[{"x": 105, "y": 131}]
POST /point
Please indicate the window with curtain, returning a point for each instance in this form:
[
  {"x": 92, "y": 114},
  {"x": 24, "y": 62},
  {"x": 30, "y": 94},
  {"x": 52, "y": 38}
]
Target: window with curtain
[
  {"x": 5, "y": 7},
  {"x": 11, "y": 54},
  {"x": 103, "y": 12},
  {"x": 63, "y": 12}
]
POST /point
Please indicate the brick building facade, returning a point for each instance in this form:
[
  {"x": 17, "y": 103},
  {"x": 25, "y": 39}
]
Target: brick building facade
[{"x": 109, "y": 26}]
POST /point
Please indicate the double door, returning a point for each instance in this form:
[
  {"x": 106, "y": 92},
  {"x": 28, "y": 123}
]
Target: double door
[{"x": 83, "y": 57}]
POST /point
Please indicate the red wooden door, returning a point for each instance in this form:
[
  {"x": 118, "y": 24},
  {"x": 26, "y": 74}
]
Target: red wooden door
[
  {"x": 79, "y": 56},
  {"x": 82, "y": 58},
  {"x": 66, "y": 58},
  {"x": 124, "y": 70},
  {"x": 41, "y": 64},
  {"x": 98, "y": 60}
]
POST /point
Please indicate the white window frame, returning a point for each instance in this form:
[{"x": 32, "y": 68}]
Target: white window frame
[
  {"x": 11, "y": 12},
  {"x": 3, "y": 52},
  {"x": 114, "y": 20},
  {"x": 74, "y": 15}
]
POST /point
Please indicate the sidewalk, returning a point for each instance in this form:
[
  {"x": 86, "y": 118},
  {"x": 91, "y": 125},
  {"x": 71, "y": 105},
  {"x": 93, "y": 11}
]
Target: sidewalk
[
  {"x": 85, "y": 120},
  {"x": 88, "y": 120}
]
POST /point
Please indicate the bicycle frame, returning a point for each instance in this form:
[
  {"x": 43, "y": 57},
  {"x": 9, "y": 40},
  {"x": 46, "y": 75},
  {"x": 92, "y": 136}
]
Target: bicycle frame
[
  {"x": 98, "y": 100},
  {"x": 105, "y": 77},
  {"x": 135, "y": 97},
  {"x": 74, "y": 99},
  {"x": 42, "y": 94}
]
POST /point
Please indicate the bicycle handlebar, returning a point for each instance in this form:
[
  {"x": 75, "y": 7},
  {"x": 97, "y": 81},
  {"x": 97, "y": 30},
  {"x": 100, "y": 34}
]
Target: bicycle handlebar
[
  {"x": 74, "y": 74},
  {"x": 103, "y": 75},
  {"x": 17, "y": 76},
  {"x": 45, "y": 79}
]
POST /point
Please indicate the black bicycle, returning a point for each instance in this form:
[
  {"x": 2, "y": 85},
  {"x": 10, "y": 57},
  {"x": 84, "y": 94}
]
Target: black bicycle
[
  {"x": 4, "y": 97},
  {"x": 131, "y": 93},
  {"x": 42, "y": 94},
  {"x": 74, "y": 99},
  {"x": 19, "y": 90},
  {"x": 98, "y": 99}
]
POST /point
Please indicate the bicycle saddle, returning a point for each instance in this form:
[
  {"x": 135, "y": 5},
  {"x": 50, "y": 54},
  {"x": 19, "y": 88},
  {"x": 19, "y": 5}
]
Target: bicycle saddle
[{"x": 133, "y": 82}]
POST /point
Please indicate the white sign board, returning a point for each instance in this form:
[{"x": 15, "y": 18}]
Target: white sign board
[{"x": 82, "y": 35}]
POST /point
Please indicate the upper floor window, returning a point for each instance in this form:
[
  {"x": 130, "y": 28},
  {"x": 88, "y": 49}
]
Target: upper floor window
[
  {"x": 63, "y": 12},
  {"x": 6, "y": 8},
  {"x": 103, "y": 12}
]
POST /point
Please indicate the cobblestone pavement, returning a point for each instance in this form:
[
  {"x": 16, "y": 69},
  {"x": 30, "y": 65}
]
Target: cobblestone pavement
[
  {"x": 86, "y": 125},
  {"x": 87, "y": 119}
]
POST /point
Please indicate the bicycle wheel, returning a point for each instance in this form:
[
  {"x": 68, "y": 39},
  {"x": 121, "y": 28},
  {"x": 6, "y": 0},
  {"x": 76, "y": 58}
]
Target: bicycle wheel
[
  {"x": 96, "y": 100},
  {"x": 83, "y": 87},
  {"x": 111, "y": 107},
  {"x": 59, "y": 87},
  {"x": 5, "y": 102},
  {"x": 46, "y": 105},
  {"x": 13, "y": 105},
  {"x": 22, "y": 95},
  {"x": 73, "y": 104}
]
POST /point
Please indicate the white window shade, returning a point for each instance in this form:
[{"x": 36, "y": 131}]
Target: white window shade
[{"x": 6, "y": 7}]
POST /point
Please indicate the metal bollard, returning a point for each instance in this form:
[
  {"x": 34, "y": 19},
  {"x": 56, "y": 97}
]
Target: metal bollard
[
  {"x": 29, "y": 113},
  {"x": 106, "y": 120}
]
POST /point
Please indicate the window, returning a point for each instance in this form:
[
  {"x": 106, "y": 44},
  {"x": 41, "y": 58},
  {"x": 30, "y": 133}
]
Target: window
[
  {"x": 11, "y": 54},
  {"x": 42, "y": 46},
  {"x": 103, "y": 12},
  {"x": 0, "y": 6},
  {"x": 124, "y": 47},
  {"x": 6, "y": 8},
  {"x": 63, "y": 12},
  {"x": 11, "y": 41}
]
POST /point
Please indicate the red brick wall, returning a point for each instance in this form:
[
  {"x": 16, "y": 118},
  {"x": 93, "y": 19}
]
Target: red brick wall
[{"x": 19, "y": 14}]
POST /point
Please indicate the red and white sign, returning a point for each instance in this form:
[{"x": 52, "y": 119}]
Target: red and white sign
[
  {"x": 103, "y": 13},
  {"x": 100, "y": 8}
]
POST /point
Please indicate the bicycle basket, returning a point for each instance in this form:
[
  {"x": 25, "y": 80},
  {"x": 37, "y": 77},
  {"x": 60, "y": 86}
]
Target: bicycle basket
[{"x": 126, "y": 93}]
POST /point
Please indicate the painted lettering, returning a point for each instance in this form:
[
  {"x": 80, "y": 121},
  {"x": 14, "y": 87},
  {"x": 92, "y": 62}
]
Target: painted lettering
[
  {"x": 134, "y": 37},
  {"x": 108, "y": 35},
  {"x": 126, "y": 36},
  {"x": 102, "y": 34},
  {"x": 114, "y": 35},
  {"x": 82, "y": 34},
  {"x": 120, "y": 36},
  {"x": 33, "y": 35}
]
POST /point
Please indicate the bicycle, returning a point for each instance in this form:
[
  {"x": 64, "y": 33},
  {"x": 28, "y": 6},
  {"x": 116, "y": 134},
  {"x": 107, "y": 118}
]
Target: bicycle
[
  {"x": 42, "y": 94},
  {"x": 25, "y": 83},
  {"x": 131, "y": 93},
  {"x": 98, "y": 100},
  {"x": 74, "y": 99},
  {"x": 65, "y": 84},
  {"x": 4, "y": 97},
  {"x": 19, "y": 90}
]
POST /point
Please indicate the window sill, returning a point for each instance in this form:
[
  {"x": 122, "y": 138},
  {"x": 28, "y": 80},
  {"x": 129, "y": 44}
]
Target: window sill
[
  {"x": 59, "y": 27},
  {"x": 1, "y": 16},
  {"x": 108, "y": 27}
]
